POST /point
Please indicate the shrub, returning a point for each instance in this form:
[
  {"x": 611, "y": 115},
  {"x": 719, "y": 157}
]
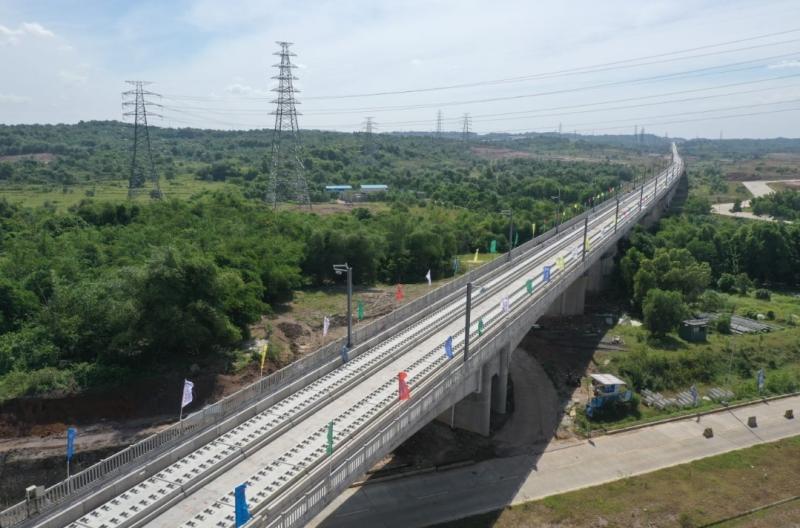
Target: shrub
[
  {"x": 723, "y": 324},
  {"x": 763, "y": 294},
  {"x": 770, "y": 315},
  {"x": 711, "y": 301},
  {"x": 663, "y": 311},
  {"x": 726, "y": 282}
]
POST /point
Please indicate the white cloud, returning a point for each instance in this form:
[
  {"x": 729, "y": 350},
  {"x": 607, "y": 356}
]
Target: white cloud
[
  {"x": 72, "y": 77},
  {"x": 33, "y": 29},
  {"x": 13, "y": 99},
  {"x": 243, "y": 89},
  {"x": 785, "y": 64}
]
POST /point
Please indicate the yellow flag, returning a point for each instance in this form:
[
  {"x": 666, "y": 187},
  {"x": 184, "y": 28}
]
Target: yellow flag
[
  {"x": 476, "y": 255},
  {"x": 588, "y": 243},
  {"x": 263, "y": 355},
  {"x": 533, "y": 230},
  {"x": 560, "y": 262}
]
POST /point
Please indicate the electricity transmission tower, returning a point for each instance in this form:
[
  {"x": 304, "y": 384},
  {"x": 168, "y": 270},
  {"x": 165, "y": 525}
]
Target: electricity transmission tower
[
  {"x": 465, "y": 128},
  {"x": 141, "y": 169},
  {"x": 287, "y": 181},
  {"x": 439, "y": 124},
  {"x": 369, "y": 143}
]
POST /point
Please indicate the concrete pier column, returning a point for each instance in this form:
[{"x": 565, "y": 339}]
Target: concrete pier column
[
  {"x": 500, "y": 384},
  {"x": 572, "y": 301}
]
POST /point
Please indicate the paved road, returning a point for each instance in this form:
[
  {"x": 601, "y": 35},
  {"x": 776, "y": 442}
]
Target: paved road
[
  {"x": 492, "y": 484},
  {"x": 757, "y": 188}
]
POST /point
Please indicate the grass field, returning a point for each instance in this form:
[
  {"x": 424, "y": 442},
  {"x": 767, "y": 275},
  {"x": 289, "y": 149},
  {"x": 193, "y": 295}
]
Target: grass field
[
  {"x": 63, "y": 197},
  {"x": 690, "y": 495}
]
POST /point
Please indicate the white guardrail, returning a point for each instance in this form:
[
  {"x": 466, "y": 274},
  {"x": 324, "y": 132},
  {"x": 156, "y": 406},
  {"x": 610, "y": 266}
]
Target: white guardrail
[{"x": 228, "y": 413}]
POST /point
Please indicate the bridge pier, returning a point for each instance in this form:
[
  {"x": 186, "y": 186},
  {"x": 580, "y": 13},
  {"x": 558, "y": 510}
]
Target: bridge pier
[
  {"x": 599, "y": 273},
  {"x": 572, "y": 300},
  {"x": 474, "y": 412}
]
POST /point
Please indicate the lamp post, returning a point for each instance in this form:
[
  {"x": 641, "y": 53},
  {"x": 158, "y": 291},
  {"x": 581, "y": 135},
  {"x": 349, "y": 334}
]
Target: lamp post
[
  {"x": 345, "y": 268},
  {"x": 510, "y": 214},
  {"x": 558, "y": 208}
]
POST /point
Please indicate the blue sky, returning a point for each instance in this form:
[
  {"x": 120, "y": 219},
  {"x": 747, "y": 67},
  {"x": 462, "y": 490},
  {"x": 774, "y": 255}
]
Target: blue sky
[{"x": 66, "y": 61}]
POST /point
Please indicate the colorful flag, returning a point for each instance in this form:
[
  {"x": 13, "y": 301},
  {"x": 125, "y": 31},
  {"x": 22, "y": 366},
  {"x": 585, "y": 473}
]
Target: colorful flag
[
  {"x": 448, "y": 347},
  {"x": 588, "y": 244},
  {"x": 533, "y": 230},
  {"x": 404, "y": 392},
  {"x": 505, "y": 305},
  {"x": 560, "y": 263},
  {"x": 71, "y": 434},
  {"x": 529, "y": 285},
  {"x": 344, "y": 353},
  {"x": 693, "y": 392},
  {"x": 264, "y": 355},
  {"x": 476, "y": 255},
  {"x": 187, "y": 393},
  {"x": 480, "y": 327},
  {"x": 761, "y": 379},
  {"x": 516, "y": 238},
  {"x": 456, "y": 264},
  {"x": 398, "y": 293},
  {"x": 326, "y": 324},
  {"x": 546, "y": 274},
  {"x": 360, "y": 311},
  {"x": 240, "y": 506},
  {"x": 428, "y": 276},
  {"x": 329, "y": 448},
  {"x": 493, "y": 247}
]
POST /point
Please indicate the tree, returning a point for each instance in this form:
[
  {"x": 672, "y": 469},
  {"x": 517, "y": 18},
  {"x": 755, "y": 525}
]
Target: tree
[
  {"x": 737, "y": 206},
  {"x": 726, "y": 282},
  {"x": 663, "y": 311}
]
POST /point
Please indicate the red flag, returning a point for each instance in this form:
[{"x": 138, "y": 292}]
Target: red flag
[
  {"x": 398, "y": 294},
  {"x": 404, "y": 391}
]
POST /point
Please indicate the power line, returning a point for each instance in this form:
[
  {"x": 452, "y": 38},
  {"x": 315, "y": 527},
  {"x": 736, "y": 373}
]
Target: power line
[{"x": 465, "y": 128}]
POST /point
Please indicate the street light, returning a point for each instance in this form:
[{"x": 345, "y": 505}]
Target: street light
[
  {"x": 510, "y": 214},
  {"x": 558, "y": 209},
  {"x": 345, "y": 268}
]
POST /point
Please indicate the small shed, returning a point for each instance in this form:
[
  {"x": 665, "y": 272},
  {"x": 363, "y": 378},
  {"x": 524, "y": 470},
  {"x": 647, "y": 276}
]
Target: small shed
[
  {"x": 606, "y": 388},
  {"x": 693, "y": 330},
  {"x": 338, "y": 189},
  {"x": 376, "y": 188}
]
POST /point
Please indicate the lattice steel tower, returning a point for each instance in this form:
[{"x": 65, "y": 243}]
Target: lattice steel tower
[
  {"x": 465, "y": 129},
  {"x": 141, "y": 169},
  {"x": 439, "y": 124},
  {"x": 287, "y": 181},
  {"x": 369, "y": 141}
]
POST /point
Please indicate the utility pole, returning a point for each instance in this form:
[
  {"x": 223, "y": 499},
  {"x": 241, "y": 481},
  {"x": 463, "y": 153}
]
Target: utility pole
[
  {"x": 466, "y": 322},
  {"x": 585, "y": 235},
  {"x": 340, "y": 269},
  {"x": 510, "y": 214},
  {"x": 287, "y": 181},
  {"x": 558, "y": 209},
  {"x": 465, "y": 129},
  {"x": 616, "y": 213},
  {"x": 439, "y": 124},
  {"x": 141, "y": 170}
]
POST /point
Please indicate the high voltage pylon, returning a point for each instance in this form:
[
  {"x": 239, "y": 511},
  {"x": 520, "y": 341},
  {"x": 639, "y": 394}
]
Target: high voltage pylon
[
  {"x": 369, "y": 141},
  {"x": 465, "y": 129},
  {"x": 141, "y": 170},
  {"x": 439, "y": 124},
  {"x": 287, "y": 181}
]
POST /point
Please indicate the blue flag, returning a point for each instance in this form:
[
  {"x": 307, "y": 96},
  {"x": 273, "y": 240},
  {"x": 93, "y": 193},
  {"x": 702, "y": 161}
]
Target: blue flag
[
  {"x": 71, "y": 434},
  {"x": 448, "y": 347},
  {"x": 242, "y": 512},
  {"x": 761, "y": 377},
  {"x": 344, "y": 354},
  {"x": 546, "y": 274}
]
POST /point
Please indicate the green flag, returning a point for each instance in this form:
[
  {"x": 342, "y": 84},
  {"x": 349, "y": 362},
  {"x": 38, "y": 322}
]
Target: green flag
[
  {"x": 480, "y": 327},
  {"x": 493, "y": 247},
  {"x": 529, "y": 285},
  {"x": 516, "y": 238},
  {"x": 360, "y": 310},
  {"x": 329, "y": 449},
  {"x": 533, "y": 230}
]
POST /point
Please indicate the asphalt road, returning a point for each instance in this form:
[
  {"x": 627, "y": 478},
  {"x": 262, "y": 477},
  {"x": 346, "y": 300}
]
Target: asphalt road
[{"x": 437, "y": 497}]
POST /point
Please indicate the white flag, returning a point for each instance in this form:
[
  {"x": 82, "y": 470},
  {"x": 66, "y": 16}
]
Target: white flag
[
  {"x": 428, "y": 276},
  {"x": 505, "y": 304},
  {"x": 326, "y": 323},
  {"x": 187, "y": 393}
]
